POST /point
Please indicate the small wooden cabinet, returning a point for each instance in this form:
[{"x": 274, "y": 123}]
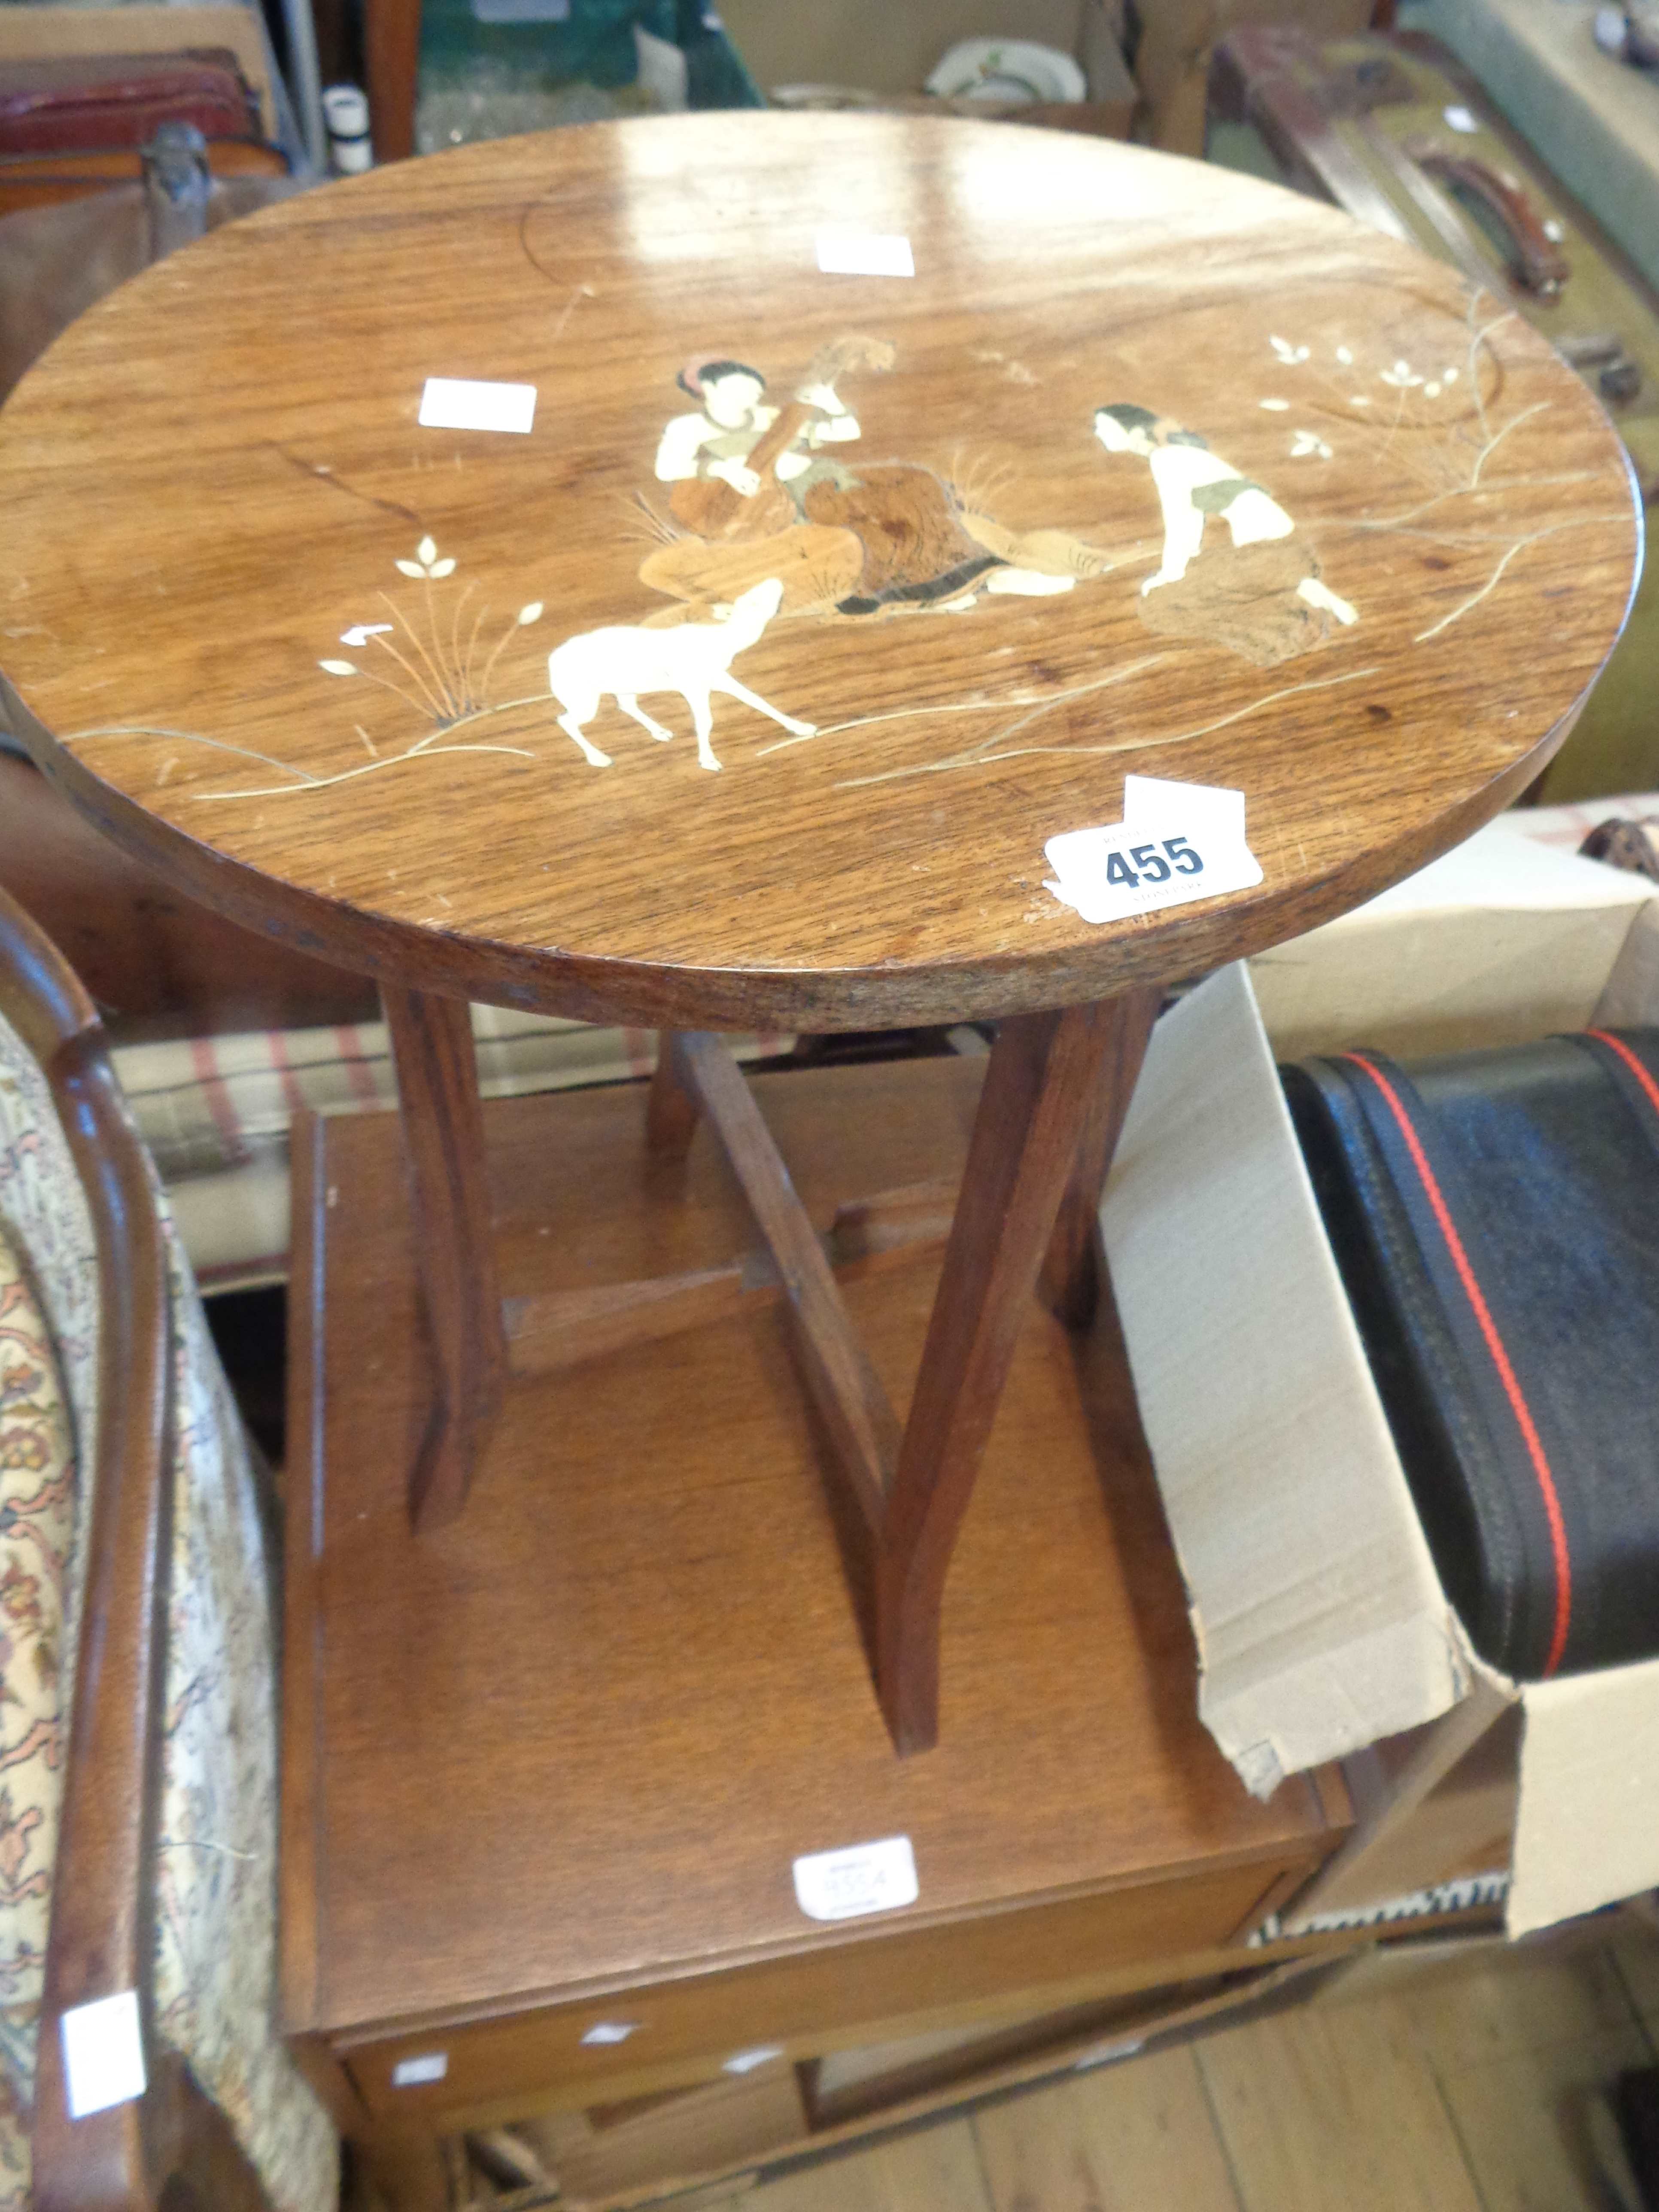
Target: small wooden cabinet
[{"x": 548, "y": 1768}]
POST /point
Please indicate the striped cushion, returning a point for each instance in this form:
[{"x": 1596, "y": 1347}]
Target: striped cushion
[{"x": 215, "y": 1111}]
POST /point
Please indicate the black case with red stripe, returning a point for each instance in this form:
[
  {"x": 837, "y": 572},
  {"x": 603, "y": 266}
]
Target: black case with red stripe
[{"x": 1495, "y": 1217}]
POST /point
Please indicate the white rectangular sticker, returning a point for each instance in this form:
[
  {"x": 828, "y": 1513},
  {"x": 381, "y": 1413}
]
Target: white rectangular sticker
[
  {"x": 865, "y": 253},
  {"x": 461, "y": 403},
  {"x": 103, "y": 2054},
  {"x": 863, "y": 1878},
  {"x": 1176, "y": 841},
  {"x": 430, "y": 2066},
  {"x": 1109, "y": 2054},
  {"x": 745, "y": 2061}
]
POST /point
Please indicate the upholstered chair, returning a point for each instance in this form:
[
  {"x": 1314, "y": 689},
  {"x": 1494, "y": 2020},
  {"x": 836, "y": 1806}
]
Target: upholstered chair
[{"x": 137, "y": 1683}]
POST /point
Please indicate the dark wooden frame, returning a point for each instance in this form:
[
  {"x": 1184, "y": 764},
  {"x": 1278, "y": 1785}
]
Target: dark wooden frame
[
  {"x": 1055, "y": 1095},
  {"x": 172, "y": 2139},
  {"x": 1056, "y": 1092},
  {"x": 144, "y": 952},
  {"x": 391, "y": 67}
]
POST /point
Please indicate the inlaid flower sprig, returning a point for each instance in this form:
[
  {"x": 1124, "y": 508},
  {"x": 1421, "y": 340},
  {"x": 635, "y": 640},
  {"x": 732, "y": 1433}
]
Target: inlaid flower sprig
[
  {"x": 441, "y": 669},
  {"x": 1400, "y": 376}
]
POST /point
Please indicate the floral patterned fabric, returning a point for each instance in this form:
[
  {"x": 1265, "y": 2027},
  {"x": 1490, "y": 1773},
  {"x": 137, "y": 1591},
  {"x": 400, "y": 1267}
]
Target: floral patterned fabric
[
  {"x": 216, "y": 1876},
  {"x": 216, "y": 1882},
  {"x": 37, "y": 1519},
  {"x": 48, "y": 1404},
  {"x": 43, "y": 1213}
]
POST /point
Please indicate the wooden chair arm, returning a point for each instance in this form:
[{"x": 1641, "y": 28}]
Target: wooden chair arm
[{"x": 102, "y": 1915}]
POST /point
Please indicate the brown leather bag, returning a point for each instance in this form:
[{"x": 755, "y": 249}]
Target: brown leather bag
[
  {"x": 76, "y": 103},
  {"x": 56, "y": 261}
]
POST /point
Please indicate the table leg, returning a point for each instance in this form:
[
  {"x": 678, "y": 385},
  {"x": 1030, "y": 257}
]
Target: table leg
[
  {"x": 671, "y": 1111},
  {"x": 1069, "y": 1285},
  {"x": 852, "y": 1404},
  {"x": 1033, "y": 1113},
  {"x": 443, "y": 1143},
  {"x": 391, "y": 66}
]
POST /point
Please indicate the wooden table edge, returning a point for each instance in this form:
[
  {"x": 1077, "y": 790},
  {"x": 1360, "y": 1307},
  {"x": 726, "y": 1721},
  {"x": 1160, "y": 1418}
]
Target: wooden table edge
[{"x": 605, "y": 989}]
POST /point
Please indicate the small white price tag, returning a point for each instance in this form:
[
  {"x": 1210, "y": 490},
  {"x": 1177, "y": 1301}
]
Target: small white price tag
[
  {"x": 461, "y": 403},
  {"x": 1109, "y": 2054},
  {"x": 745, "y": 2061},
  {"x": 1176, "y": 841},
  {"x": 865, "y": 253},
  {"x": 430, "y": 2066},
  {"x": 864, "y": 1878},
  {"x": 103, "y": 2054}
]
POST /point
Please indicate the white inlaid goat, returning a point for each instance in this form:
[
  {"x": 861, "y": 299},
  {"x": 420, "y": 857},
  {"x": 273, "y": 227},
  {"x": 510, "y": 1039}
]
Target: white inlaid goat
[{"x": 694, "y": 658}]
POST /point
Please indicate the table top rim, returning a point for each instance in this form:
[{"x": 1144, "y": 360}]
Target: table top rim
[{"x": 887, "y": 990}]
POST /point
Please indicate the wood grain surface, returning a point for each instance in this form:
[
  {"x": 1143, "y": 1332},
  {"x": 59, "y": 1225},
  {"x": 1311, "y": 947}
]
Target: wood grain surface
[
  {"x": 147, "y": 953},
  {"x": 1074, "y": 1265},
  {"x": 562, "y": 1752},
  {"x": 1038, "y": 1092},
  {"x": 449, "y": 1202},
  {"x": 312, "y": 659},
  {"x": 856, "y": 1413},
  {"x": 1106, "y": 2142},
  {"x": 1050, "y": 1077},
  {"x": 1344, "y": 2104}
]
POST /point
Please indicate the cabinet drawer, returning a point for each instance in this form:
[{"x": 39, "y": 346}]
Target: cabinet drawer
[{"x": 686, "y": 2029}]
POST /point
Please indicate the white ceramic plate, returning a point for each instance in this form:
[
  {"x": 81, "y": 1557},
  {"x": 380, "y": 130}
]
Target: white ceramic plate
[{"x": 1007, "y": 68}]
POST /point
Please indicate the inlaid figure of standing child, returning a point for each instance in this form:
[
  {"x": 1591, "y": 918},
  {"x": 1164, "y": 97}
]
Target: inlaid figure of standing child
[{"x": 1257, "y": 591}]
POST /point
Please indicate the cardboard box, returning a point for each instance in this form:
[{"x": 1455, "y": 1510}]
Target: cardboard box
[
  {"x": 1440, "y": 1831},
  {"x": 1322, "y": 1626},
  {"x": 1509, "y": 938},
  {"x": 886, "y": 49},
  {"x": 886, "y": 53}
]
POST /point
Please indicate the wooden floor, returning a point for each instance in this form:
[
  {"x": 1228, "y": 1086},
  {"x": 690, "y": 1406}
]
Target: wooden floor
[{"x": 1479, "y": 2086}]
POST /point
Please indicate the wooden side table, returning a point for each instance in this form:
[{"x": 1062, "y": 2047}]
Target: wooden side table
[
  {"x": 1003, "y": 465},
  {"x": 1143, "y": 470}
]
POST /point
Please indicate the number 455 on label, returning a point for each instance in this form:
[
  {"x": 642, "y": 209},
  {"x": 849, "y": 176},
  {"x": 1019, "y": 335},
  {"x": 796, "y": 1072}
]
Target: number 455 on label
[{"x": 1176, "y": 841}]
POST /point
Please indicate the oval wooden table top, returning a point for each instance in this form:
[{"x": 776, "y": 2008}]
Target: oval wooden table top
[{"x": 1145, "y": 468}]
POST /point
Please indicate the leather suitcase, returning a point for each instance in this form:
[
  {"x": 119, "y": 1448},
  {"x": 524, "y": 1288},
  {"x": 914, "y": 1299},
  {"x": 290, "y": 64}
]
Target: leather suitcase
[
  {"x": 55, "y": 260},
  {"x": 1495, "y": 1217},
  {"x": 80, "y": 104},
  {"x": 74, "y": 125},
  {"x": 41, "y": 180},
  {"x": 1393, "y": 128}
]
